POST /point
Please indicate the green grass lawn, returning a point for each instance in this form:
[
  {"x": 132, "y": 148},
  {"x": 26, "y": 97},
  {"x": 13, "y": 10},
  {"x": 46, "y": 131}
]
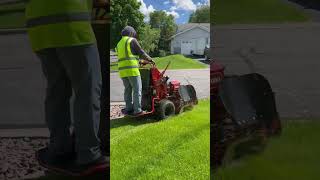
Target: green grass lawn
[
  {"x": 176, "y": 148},
  {"x": 177, "y": 62},
  {"x": 294, "y": 155},
  {"x": 255, "y": 11}
]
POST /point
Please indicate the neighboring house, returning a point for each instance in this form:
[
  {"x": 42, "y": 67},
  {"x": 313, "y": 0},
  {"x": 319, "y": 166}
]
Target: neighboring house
[{"x": 191, "y": 39}]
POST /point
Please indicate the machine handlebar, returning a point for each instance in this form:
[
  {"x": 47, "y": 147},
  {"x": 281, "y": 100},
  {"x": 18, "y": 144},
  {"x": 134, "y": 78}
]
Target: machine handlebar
[{"x": 144, "y": 62}]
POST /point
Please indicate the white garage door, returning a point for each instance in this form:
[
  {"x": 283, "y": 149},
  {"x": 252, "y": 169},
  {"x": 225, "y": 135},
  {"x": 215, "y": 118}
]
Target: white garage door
[{"x": 186, "y": 47}]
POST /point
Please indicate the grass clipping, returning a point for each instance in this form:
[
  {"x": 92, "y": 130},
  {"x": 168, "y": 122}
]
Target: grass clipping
[{"x": 176, "y": 148}]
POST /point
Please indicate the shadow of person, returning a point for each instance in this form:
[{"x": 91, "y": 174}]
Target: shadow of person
[
  {"x": 132, "y": 121},
  {"x": 53, "y": 176}
]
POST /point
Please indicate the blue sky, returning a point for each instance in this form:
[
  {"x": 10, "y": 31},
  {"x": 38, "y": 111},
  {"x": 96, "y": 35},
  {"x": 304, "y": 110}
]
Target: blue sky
[{"x": 180, "y": 9}]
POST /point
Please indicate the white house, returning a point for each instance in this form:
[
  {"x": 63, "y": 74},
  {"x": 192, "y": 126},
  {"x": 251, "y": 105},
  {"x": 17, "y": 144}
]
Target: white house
[{"x": 191, "y": 39}]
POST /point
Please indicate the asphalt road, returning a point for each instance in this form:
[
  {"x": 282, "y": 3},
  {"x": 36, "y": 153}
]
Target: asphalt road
[
  {"x": 288, "y": 55},
  {"x": 21, "y": 82},
  {"x": 198, "y": 78}
]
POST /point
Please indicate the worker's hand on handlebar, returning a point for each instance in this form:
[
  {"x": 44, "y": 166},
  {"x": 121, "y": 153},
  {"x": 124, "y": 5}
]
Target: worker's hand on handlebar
[
  {"x": 151, "y": 62},
  {"x": 143, "y": 62}
]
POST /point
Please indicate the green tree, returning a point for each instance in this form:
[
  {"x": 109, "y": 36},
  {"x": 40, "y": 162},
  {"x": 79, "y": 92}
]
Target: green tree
[
  {"x": 149, "y": 38},
  {"x": 201, "y": 15},
  {"x": 167, "y": 26},
  {"x": 123, "y": 13}
]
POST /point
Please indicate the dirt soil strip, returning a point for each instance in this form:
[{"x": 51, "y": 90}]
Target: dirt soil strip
[
  {"x": 17, "y": 158},
  {"x": 115, "y": 111},
  {"x": 17, "y": 154}
]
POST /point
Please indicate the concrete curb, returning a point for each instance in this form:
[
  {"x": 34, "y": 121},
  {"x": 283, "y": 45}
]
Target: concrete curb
[
  {"x": 117, "y": 103},
  {"x": 19, "y": 133},
  {"x": 35, "y": 132}
]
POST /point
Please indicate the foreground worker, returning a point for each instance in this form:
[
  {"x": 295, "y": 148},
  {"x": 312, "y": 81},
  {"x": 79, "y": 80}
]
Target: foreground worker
[
  {"x": 129, "y": 51},
  {"x": 61, "y": 35}
]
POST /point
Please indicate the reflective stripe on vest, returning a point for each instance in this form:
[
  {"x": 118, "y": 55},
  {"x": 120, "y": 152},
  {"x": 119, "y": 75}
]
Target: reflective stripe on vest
[
  {"x": 124, "y": 59},
  {"x": 128, "y": 67},
  {"x": 63, "y": 23},
  {"x": 62, "y": 18},
  {"x": 128, "y": 64}
]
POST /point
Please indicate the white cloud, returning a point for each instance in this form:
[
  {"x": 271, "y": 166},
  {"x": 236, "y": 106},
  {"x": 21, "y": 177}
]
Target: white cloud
[
  {"x": 173, "y": 13},
  {"x": 185, "y": 4},
  {"x": 173, "y": 8},
  {"x": 205, "y": 2},
  {"x": 166, "y": 2},
  {"x": 146, "y": 10}
]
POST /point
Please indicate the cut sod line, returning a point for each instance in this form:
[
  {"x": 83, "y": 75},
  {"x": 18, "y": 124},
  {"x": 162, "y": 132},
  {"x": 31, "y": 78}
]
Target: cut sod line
[{"x": 128, "y": 132}]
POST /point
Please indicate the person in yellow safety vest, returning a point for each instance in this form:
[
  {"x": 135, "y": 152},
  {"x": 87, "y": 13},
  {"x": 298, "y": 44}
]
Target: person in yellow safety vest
[
  {"x": 61, "y": 35},
  {"x": 128, "y": 51}
]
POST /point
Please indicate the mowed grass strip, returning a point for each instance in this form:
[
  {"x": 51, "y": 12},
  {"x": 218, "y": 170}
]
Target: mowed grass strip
[
  {"x": 176, "y": 148},
  {"x": 294, "y": 155},
  {"x": 255, "y": 11},
  {"x": 177, "y": 62}
]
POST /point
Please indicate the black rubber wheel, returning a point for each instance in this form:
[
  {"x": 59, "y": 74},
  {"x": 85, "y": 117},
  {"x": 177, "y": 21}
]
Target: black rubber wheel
[{"x": 165, "y": 109}]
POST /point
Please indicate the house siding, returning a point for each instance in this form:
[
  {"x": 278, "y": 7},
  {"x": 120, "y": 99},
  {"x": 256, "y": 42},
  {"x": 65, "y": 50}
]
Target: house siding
[{"x": 196, "y": 33}]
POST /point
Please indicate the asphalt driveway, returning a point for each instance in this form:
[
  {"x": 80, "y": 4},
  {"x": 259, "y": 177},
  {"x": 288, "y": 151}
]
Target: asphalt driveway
[
  {"x": 22, "y": 84},
  {"x": 288, "y": 55}
]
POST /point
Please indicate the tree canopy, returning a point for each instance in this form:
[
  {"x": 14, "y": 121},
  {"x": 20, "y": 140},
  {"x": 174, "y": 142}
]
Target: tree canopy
[
  {"x": 149, "y": 38},
  {"x": 123, "y": 13},
  {"x": 201, "y": 15},
  {"x": 154, "y": 36},
  {"x": 167, "y": 26}
]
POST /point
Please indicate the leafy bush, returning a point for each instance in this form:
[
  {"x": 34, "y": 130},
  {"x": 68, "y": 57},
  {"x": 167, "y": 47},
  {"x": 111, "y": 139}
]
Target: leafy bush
[{"x": 162, "y": 53}]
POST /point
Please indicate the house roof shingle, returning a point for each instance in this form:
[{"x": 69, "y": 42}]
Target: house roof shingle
[{"x": 185, "y": 27}]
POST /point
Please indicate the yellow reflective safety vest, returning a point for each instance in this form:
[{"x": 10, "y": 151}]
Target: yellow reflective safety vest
[
  {"x": 59, "y": 23},
  {"x": 128, "y": 64}
]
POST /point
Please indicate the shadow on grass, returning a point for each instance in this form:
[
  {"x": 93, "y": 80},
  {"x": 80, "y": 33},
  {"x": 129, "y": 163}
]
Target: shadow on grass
[
  {"x": 52, "y": 176},
  {"x": 137, "y": 121},
  {"x": 132, "y": 121},
  {"x": 308, "y": 4}
]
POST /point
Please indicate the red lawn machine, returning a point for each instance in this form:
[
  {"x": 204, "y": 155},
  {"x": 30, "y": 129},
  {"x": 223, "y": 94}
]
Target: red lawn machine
[
  {"x": 161, "y": 97},
  {"x": 243, "y": 114}
]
